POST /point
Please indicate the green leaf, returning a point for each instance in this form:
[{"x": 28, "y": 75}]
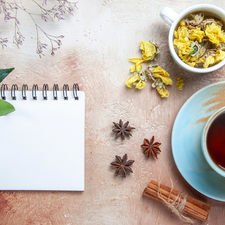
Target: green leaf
[
  {"x": 5, "y": 108},
  {"x": 4, "y": 73}
]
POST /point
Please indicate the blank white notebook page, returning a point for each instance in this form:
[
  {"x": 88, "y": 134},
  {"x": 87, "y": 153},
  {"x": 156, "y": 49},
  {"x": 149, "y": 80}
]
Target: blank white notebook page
[{"x": 42, "y": 143}]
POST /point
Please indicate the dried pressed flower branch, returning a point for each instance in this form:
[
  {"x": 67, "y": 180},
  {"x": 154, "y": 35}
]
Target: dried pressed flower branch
[
  {"x": 3, "y": 42},
  {"x": 58, "y": 11},
  {"x": 18, "y": 38}
]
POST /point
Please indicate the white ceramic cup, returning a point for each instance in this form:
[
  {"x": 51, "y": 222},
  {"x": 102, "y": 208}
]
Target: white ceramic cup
[
  {"x": 173, "y": 19},
  {"x": 205, "y": 152}
]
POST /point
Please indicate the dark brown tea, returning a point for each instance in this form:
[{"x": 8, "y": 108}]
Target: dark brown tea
[{"x": 216, "y": 141}]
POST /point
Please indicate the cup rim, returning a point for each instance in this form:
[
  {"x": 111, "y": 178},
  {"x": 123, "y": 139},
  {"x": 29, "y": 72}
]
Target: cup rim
[
  {"x": 205, "y": 152},
  {"x": 171, "y": 34}
]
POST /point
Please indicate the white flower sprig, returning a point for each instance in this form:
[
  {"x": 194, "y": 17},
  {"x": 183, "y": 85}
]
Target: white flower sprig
[{"x": 58, "y": 11}]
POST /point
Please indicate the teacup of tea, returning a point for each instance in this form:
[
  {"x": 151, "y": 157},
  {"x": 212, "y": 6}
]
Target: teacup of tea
[
  {"x": 190, "y": 61},
  {"x": 213, "y": 141}
]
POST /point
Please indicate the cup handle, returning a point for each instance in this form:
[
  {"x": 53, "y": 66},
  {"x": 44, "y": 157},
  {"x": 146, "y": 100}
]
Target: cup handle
[{"x": 168, "y": 15}]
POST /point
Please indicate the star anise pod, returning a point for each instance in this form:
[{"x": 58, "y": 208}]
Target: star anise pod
[
  {"x": 122, "y": 129},
  {"x": 151, "y": 147},
  {"x": 122, "y": 165}
]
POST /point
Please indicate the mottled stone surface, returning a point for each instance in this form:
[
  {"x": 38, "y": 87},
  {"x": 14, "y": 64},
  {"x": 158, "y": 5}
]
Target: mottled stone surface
[{"x": 98, "y": 41}]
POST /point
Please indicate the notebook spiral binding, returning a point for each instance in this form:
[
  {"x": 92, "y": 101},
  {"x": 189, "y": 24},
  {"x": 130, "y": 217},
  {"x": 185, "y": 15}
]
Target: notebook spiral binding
[
  {"x": 13, "y": 89},
  {"x": 4, "y": 88},
  {"x": 45, "y": 89}
]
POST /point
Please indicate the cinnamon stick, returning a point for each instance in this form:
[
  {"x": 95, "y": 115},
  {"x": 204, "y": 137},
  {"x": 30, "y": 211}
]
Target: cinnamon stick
[
  {"x": 193, "y": 207},
  {"x": 195, "y": 201},
  {"x": 188, "y": 208}
]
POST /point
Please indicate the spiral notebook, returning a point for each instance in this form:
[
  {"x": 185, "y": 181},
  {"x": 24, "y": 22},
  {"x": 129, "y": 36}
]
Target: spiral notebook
[{"x": 42, "y": 142}]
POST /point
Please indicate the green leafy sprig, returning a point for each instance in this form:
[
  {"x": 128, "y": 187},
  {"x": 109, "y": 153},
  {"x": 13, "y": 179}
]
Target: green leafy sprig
[{"x": 5, "y": 107}]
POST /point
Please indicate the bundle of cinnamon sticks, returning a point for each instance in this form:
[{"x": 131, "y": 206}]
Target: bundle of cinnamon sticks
[{"x": 192, "y": 207}]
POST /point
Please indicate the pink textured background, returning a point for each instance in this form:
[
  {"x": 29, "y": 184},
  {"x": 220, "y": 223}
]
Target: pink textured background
[{"x": 98, "y": 41}]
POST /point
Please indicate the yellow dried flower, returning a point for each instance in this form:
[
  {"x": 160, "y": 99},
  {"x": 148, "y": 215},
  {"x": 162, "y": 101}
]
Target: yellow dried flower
[
  {"x": 160, "y": 79},
  {"x": 189, "y": 44},
  {"x": 219, "y": 23},
  {"x": 220, "y": 55},
  {"x": 141, "y": 84},
  {"x": 210, "y": 60},
  {"x": 158, "y": 72},
  {"x": 138, "y": 64},
  {"x": 182, "y": 23},
  {"x": 135, "y": 81},
  {"x": 163, "y": 92},
  {"x": 136, "y": 68},
  {"x": 148, "y": 50},
  {"x": 213, "y": 59},
  {"x": 136, "y": 60},
  {"x": 185, "y": 58},
  {"x": 180, "y": 83},
  {"x": 214, "y": 33},
  {"x": 199, "y": 60},
  {"x": 193, "y": 64},
  {"x": 196, "y": 34},
  {"x": 183, "y": 46},
  {"x": 181, "y": 33}
]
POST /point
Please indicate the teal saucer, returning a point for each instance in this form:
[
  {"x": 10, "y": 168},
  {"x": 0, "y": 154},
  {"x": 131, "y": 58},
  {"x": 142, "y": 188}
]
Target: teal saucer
[{"x": 186, "y": 140}]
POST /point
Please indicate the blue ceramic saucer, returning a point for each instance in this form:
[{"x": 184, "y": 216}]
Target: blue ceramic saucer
[{"x": 186, "y": 140}]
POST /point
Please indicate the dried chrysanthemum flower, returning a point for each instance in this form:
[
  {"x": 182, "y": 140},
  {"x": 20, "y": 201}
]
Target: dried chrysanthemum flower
[
  {"x": 149, "y": 50},
  {"x": 215, "y": 34},
  {"x": 220, "y": 55},
  {"x": 196, "y": 35},
  {"x": 137, "y": 66},
  {"x": 209, "y": 61},
  {"x": 183, "y": 46},
  {"x": 206, "y": 22},
  {"x": 221, "y": 46},
  {"x": 182, "y": 32},
  {"x": 197, "y": 39},
  {"x": 213, "y": 57},
  {"x": 138, "y": 80},
  {"x": 195, "y": 20},
  {"x": 160, "y": 79},
  {"x": 209, "y": 52}
]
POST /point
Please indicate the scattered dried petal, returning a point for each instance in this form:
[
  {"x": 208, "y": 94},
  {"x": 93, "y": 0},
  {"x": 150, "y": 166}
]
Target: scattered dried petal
[
  {"x": 180, "y": 83},
  {"x": 136, "y": 68}
]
